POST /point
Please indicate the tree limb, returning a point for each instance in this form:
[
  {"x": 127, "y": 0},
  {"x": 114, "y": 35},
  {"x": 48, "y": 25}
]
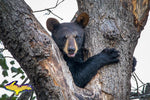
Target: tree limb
[{"x": 57, "y": 4}]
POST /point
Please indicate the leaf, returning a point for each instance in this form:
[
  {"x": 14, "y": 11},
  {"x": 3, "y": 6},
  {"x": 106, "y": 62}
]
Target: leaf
[
  {"x": 13, "y": 69},
  {"x": 1, "y": 55},
  {"x": 22, "y": 77},
  {"x": 1, "y": 50},
  {"x": 20, "y": 71},
  {"x": 3, "y": 62},
  {"x": 3, "y": 83},
  {"x": 12, "y": 62},
  {"x": 1, "y": 42},
  {"x": 4, "y": 97},
  {"x": 5, "y": 73},
  {"x": 34, "y": 98},
  {"x": 17, "y": 70},
  {"x": 14, "y": 98}
]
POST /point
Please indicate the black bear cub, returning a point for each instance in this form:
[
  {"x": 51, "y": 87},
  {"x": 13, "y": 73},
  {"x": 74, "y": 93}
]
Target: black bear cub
[{"x": 69, "y": 37}]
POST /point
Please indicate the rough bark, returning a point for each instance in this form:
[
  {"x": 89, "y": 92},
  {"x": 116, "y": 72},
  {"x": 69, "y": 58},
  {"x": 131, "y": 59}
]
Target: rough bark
[
  {"x": 114, "y": 24},
  {"x": 35, "y": 51}
]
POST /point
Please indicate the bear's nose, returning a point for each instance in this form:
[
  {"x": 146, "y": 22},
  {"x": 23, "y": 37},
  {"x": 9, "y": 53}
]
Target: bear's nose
[{"x": 71, "y": 50}]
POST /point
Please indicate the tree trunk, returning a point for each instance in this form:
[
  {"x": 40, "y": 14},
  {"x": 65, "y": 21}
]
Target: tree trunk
[
  {"x": 35, "y": 51},
  {"x": 114, "y": 23}
]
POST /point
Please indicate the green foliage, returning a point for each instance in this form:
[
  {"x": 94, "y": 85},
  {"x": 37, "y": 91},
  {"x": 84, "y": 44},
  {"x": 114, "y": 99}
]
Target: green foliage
[
  {"x": 16, "y": 70},
  {"x": 3, "y": 65},
  {"x": 6, "y": 97},
  {"x": 5, "y": 69},
  {"x": 0, "y": 42},
  {"x": 3, "y": 62},
  {"x": 5, "y": 73},
  {"x": 22, "y": 77},
  {"x": 12, "y": 62},
  {"x": 33, "y": 98},
  {"x": 3, "y": 83}
]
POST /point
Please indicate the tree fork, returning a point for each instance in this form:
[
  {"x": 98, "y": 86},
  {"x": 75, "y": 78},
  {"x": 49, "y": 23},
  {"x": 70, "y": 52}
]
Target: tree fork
[{"x": 111, "y": 25}]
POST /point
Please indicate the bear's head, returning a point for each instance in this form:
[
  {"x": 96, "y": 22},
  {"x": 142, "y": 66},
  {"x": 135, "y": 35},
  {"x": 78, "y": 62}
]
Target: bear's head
[{"x": 69, "y": 37}]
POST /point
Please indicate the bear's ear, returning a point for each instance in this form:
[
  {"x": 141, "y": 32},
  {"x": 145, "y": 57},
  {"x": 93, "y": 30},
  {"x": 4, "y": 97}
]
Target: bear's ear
[
  {"x": 82, "y": 19},
  {"x": 52, "y": 24}
]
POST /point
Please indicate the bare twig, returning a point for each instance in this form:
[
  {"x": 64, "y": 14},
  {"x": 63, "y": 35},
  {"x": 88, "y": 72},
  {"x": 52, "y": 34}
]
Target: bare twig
[
  {"x": 8, "y": 57},
  {"x": 75, "y": 16},
  {"x": 140, "y": 96},
  {"x": 136, "y": 83},
  {"x": 139, "y": 78},
  {"x": 57, "y": 3},
  {"x": 49, "y": 9},
  {"x": 31, "y": 95},
  {"x": 54, "y": 14}
]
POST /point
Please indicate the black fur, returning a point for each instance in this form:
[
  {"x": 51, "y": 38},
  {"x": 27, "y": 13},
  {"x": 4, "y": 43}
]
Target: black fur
[
  {"x": 134, "y": 64},
  {"x": 82, "y": 72}
]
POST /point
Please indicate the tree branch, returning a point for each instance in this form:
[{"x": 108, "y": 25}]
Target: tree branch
[
  {"x": 53, "y": 14},
  {"x": 41, "y": 59},
  {"x": 136, "y": 84},
  {"x": 49, "y": 9},
  {"x": 57, "y": 4},
  {"x": 36, "y": 53}
]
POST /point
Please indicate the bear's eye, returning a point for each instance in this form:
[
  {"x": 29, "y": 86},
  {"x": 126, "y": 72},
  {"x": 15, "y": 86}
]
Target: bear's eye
[
  {"x": 76, "y": 36},
  {"x": 65, "y": 37}
]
